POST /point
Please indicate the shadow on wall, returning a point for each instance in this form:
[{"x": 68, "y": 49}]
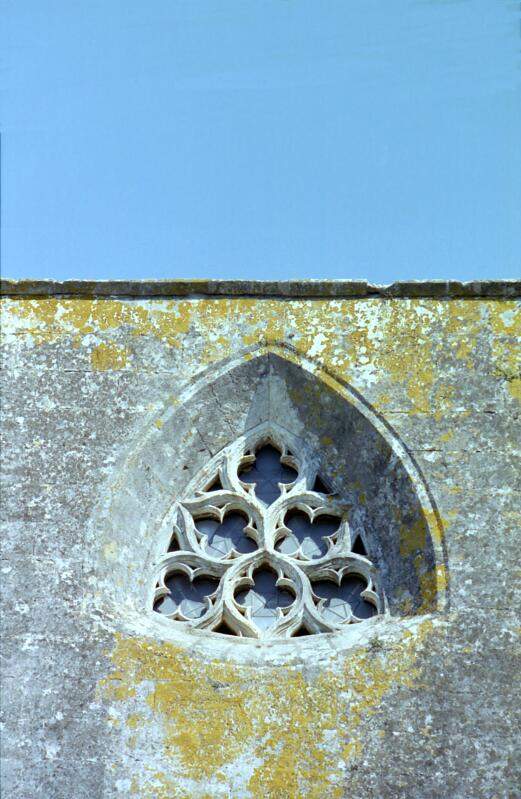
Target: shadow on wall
[{"x": 362, "y": 467}]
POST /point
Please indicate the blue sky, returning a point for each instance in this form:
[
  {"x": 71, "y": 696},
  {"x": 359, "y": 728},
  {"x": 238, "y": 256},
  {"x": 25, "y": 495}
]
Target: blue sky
[{"x": 266, "y": 139}]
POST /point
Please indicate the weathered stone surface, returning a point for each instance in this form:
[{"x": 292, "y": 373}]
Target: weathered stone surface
[{"x": 410, "y": 396}]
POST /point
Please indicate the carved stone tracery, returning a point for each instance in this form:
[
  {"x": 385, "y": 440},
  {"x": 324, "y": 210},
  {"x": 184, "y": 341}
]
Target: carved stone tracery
[{"x": 260, "y": 550}]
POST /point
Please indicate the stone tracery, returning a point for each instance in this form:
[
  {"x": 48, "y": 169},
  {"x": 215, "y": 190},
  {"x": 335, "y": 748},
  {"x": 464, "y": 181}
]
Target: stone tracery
[{"x": 260, "y": 549}]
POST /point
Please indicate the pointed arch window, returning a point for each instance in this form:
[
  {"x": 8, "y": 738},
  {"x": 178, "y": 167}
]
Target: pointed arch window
[{"x": 262, "y": 547}]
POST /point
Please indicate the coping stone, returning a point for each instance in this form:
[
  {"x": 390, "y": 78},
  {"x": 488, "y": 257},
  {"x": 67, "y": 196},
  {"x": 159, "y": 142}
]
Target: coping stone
[{"x": 290, "y": 289}]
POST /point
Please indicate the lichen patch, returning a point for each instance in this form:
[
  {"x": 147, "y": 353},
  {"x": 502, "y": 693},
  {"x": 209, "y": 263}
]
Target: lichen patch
[{"x": 294, "y": 731}]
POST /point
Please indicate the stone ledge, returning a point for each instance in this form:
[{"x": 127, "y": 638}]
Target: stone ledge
[{"x": 436, "y": 289}]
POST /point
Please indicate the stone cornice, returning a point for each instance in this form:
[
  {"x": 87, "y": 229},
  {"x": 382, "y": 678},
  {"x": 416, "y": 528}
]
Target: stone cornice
[{"x": 315, "y": 289}]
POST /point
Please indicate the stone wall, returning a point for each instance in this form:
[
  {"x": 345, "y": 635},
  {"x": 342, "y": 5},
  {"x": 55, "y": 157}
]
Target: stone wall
[{"x": 116, "y": 395}]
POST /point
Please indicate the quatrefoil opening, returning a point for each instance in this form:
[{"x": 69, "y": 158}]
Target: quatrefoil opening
[
  {"x": 307, "y": 535},
  {"x": 183, "y": 596},
  {"x": 232, "y": 535},
  {"x": 342, "y": 603},
  {"x": 264, "y": 598}
]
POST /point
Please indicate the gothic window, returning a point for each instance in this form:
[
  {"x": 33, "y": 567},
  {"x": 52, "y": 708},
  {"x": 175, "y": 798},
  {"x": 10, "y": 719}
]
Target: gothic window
[{"x": 263, "y": 548}]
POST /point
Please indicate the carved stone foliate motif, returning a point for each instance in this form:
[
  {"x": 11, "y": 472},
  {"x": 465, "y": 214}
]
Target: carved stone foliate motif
[{"x": 263, "y": 549}]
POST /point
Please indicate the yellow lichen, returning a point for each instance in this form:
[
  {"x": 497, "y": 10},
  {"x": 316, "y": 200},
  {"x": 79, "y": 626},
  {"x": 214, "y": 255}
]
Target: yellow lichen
[
  {"x": 432, "y": 583},
  {"x": 413, "y": 537},
  {"x": 448, "y": 436},
  {"x": 295, "y": 733},
  {"x": 350, "y": 337},
  {"x": 505, "y": 322},
  {"x": 134, "y": 720},
  {"x": 106, "y": 357},
  {"x": 110, "y": 550}
]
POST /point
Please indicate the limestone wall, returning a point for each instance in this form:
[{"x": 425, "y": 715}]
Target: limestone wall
[{"x": 113, "y": 403}]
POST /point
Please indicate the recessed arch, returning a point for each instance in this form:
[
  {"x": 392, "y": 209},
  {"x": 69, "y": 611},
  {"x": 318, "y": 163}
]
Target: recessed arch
[{"x": 359, "y": 453}]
